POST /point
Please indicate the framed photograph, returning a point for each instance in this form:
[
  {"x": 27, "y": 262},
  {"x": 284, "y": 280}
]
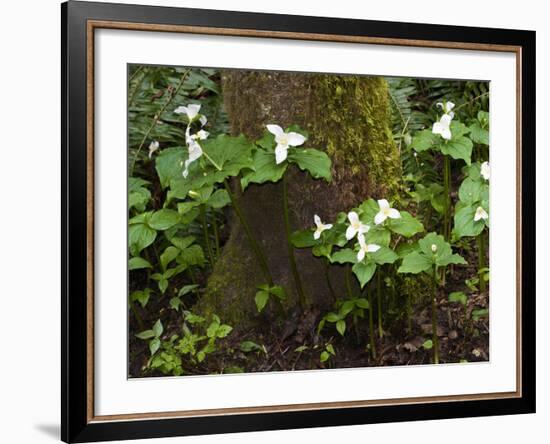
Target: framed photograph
[{"x": 275, "y": 221}]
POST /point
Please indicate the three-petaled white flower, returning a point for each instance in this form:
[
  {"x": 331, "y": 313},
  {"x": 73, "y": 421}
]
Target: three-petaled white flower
[
  {"x": 447, "y": 107},
  {"x": 320, "y": 227},
  {"x": 195, "y": 151},
  {"x": 485, "y": 170},
  {"x": 480, "y": 214},
  {"x": 365, "y": 248},
  {"x": 356, "y": 226},
  {"x": 191, "y": 111},
  {"x": 385, "y": 212},
  {"x": 153, "y": 146},
  {"x": 284, "y": 141},
  {"x": 443, "y": 127}
]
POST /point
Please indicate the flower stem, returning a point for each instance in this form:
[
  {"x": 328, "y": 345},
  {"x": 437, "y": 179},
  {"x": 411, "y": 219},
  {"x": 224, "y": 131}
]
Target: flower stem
[
  {"x": 329, "y": 283},
  {"x": 371, "y": 325},
  {"x": 481, "y": 259},
  {"x": 157, "y": 117},
  {"x": 348, "y": 282},
  {"x": 205, "y": 154},
  {"x": 216, "y": 234},
  {"x": 253, "y": 243},
  {"x": 435, "y": 339},
  {"x": 206, "y": 236},
  {"x": 447, "y": 197},
  {"x": 293, "y": 266},
  {"x": 379, "y": 303}
]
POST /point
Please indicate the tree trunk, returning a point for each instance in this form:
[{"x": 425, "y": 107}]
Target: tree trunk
[{"x": 346, "y": 116}]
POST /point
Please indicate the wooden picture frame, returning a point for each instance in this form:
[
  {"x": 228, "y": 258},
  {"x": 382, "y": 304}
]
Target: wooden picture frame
[{"x": 79, "y": 22}]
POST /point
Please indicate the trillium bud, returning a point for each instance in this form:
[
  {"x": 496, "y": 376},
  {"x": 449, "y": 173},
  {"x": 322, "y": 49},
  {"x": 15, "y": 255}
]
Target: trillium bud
[{"x": 434, "y": 248}]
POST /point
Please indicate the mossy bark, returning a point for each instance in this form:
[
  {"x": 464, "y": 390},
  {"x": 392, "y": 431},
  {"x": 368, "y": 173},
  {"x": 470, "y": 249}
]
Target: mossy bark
[{"x": 348, "y": 117}]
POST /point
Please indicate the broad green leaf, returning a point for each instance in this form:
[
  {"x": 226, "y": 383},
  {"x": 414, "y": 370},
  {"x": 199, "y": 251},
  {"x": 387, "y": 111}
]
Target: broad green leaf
[
  {"x": 332, "y": 317},
  {"x": 175, "y": 303},
  {"x": 322, "y": 250},
  {"x": 362, "y": 303},
  {"x": 458, "y": 129},
  {"x": 330, "y": 349},
  {"x": 137, "y": 263},
  {"x": 154, "y": 345},
  {"x": 303, "y": 239},
  {"x": 264, "y": 169},
  {"x": 384, "y": 256},
  {"x": 315, "y": 162},
  {"x": 424, "y": 140},
  {"x": 346, "y": 308},
  {"x": 459, "y": 148},
  {"x": 458, "y": 296},
  {"x": 367, "y": 210},
  {"x": 407, "y": 225},
  {"x": 157, "y": 328},
  {"x": 187, "y": 289},
  {"x": 324, "y": 356},
  {"x": 212, "y": 329},
  {"x": 169, "y": 163},
  {"x": 147, "y": 334},
  {"x": 164, "y": 219},
  {"x": 219, "y": 199},
  {"x": 428, "y": 344},
  {"x": 479, "y": 134},
  {"x": 193, "y": 318},
  {"x": 168, "y": 256},
  {"x": 223, "y": 331},
  {"x": 341, "y": 327},
  {"x": 142, "y": 296},
  {"x": 479, "y": 313},
  {"x": 379, "y": 235},
  {"x": 140, "y": 236},
  {"x": 182, "y": 242},
  {"x": 364, "y": 272},
  {"x": 261, "y": 299},
  {"x": 278, "y": 292},
  {"x": 138, "y": 199},
  {"x": 470, "y": 191},
  {"x": 464, "y": 224},
  {"x": 344, "y": 256},
  {"x": 415, "y": 263},
  {"x": 192, "y": 255},
  {"x": 248, "y": 346}
]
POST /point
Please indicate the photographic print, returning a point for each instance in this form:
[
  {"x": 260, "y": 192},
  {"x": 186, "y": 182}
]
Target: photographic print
[{"x": 283, "y": 221}]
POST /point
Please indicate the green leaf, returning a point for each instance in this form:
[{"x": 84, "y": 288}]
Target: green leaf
[
  {"x": 362, "y": 303},
  {"x": 157, "y": 328},
  {"x": 344, "y": 256},
  {"x": 278, "y": 292},
  {"x": 154, "y": 345},
  {"x": 264, "y": 169},
  {"x": 163, "y": 284},
  {"x": 459, "y": 148},
  {"x": 142, "y": 296},
  {"x": 219, "y": 199},
  {"x": 140, "y": 236},
  {"x": 458, "y": 296},
  {"x": 223, "y": 331},
  {"x": 147, "y": 334},
  {"x": 470, "y": 191},
  {"x": 407, "y": 225},
  {"x": 138, "y": 199},
  {"x": 164, "y": 219},
  {"x": 261, "y": 299},
  {"x": 316, "y": 162},
  {"x": 479, "y": 134},
  {"x": 428, "y": 344},
  {"x": 458, "y": 129},
  {"x": 364, "y": 272},
  {"x": 479, "y": 313},
  {"x": 168, "y": 164},
  {"x": 303, "y": 239},
  {"x": 324, "y": 356},
  {"x": 175, "y": 303},
  {"x": 464, "y": 224},
  {"x": 193, "y": 318},
  {"x": 137, "y": 263},
  {"x": 168, "y": 256},
  {"x": 384, "y": 256},
  {"x": 194, "y": 255},
  {"x": 248, "y": 346},
  {"x": 341, "y": 327},
  {"x": 424, "y": 140},
  {"x": 330, "y": 349},
  {"x": 182, "y": 242},
  {"x": 187, "y": 289},
  {"x": 379, "y": 235},
  {"x": 212, "y": 329},
  {"x": 415, "y": 263}
]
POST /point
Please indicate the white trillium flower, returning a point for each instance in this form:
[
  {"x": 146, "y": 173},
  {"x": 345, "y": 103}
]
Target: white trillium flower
[
  {"x": 356, "y": 226},
  {"x": 201, "y": 135},
  {"x": 203, "y": 120},
  {"x": 154, "y": 145},
  {"x": 447, "y": 107},
  {"x": 284, "y": 141},
  {"x": 365, "y": 248},
  {"x": 443, "y": 127},
  {"x": 385, "y": 212},
  {"x": 480, "y": 214},
  {"x": 190, "y": 110},
  {"x": 195, "y": 151},
  {"x": 320, "y": 227},
  {"x": 485, "y": 170}
]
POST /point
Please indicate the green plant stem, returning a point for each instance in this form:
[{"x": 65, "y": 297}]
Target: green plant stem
[
  {"x": 157, "y": 117},
  {"x": 481, "y": 259},
  {"x": 253, "y": 243},
  {"x": 371, "y": 325},
  {"x": 291, "y": 257},
  {"x": 137, "y": 316},
  {"x": 409, "y": 314},
  {"x": 206, "y": 236},
  {"x": 435, "y": 339},
  {"x": 379, "y": 303},
  {"x": 446, "y": 191},
  {"x": 216, "y": 234}
]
